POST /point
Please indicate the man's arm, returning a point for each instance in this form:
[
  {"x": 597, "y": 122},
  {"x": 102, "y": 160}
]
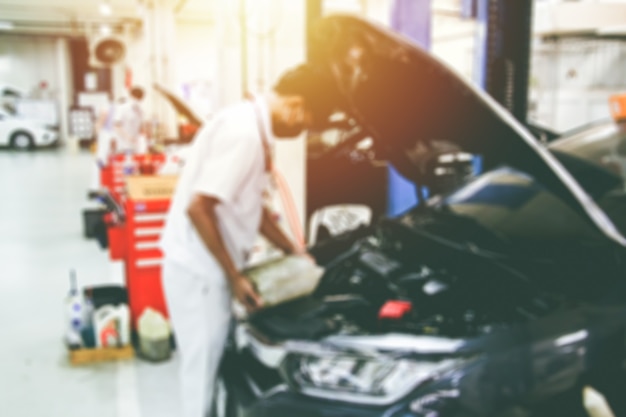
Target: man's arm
[
  {"x": 272, "y": 231},
  {"x": 201, "y": 211}
]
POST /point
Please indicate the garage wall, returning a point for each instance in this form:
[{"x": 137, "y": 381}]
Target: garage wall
[
  {"x": 572, "y": 80},
  {"x": 187, "y": 58},
  {"x": 26, "y": 61},
  {"x": 454, "y": 42},
  {"x": 151, "y": 58},
  {"x": 378, "y": 11},
  {"x": 196, "y": 66},
  {"x": 276, "y": 43}
]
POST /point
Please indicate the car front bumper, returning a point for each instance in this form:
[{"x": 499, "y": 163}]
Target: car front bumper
[
  {"x": 250, "y": 400},
  {"x": 290, "y": 404},
  {"x": 47, "y": 139}
]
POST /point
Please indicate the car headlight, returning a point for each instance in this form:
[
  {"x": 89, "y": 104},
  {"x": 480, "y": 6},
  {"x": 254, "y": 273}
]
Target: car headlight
[{"x": 365, "y": 379}]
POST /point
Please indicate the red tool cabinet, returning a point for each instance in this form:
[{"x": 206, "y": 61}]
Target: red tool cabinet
[
  {"x": 134, "y": 238},
  {"x": 144, "y": 223}
]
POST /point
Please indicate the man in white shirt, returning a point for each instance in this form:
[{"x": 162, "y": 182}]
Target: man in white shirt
[
  {"x": 128, "y": 122},
  {"x": 216, "y": 214}
]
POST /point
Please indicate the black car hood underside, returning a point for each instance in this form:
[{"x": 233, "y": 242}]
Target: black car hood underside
[{"x": 402, "y": 95}]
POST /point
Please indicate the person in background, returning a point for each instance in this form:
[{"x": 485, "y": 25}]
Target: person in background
[
  {"x": 105, "y": 132},
  {"x": 105, "y": 139},
  {"x": 129, "y": 124},
  {"x": 216, "y": 215}
]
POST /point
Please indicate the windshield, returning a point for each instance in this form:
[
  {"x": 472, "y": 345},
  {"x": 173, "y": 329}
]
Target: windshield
[
  {"x": 516, "y": 206},
  {"x": 596, "y": 157},
  {"x": 604, "y": 146},
  {"x": 512, "y": 204}
]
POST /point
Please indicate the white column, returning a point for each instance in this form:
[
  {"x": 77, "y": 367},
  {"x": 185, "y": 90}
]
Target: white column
[
  {"x": 165, "y": 58},
  {"x": 63, "y": 83},
  {"x": 219, "y": 48},
  {"x": 155, "y": 64},
  {"x": 228, "y": 85},
  {"x": 378, "y": 10},
  {"x": 287, "y": 51}
]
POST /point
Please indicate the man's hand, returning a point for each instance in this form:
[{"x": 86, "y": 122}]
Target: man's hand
[
  {"x": 295, "y": 249},
  {"x": 201, "y": 212},
  {"x": 300, "y": 250},
  {"x": 244, "y": 292}
]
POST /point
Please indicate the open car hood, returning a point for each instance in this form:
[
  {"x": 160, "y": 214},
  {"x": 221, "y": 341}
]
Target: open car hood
[
  {"x": 403, "y": 96},
  {"x": 180, "y": 106}
]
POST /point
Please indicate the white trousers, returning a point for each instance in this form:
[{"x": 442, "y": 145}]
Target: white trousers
[{"x": 200, "y": 313}]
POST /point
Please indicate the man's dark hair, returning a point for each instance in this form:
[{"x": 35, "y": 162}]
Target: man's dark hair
[
  {"x": 317, "y": 87},
  {"x": 136, "y": 92}
]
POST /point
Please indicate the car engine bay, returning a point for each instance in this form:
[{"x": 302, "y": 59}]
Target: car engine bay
[{"x": 390, "y": 282}]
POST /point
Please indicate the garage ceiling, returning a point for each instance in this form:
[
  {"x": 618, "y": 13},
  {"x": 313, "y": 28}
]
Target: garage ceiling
[{"x": 79, "y": 16}]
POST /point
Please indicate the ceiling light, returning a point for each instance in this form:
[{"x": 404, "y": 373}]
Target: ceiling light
[
  {"x": 105, "y": 8},
  {"x": 105, "y": 30},
  {"x": 4, "y": 25}
]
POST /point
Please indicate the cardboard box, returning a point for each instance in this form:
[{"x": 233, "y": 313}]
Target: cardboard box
[
  {"x": 89, "y": 356},
  {"x": 150, "y": 187}
]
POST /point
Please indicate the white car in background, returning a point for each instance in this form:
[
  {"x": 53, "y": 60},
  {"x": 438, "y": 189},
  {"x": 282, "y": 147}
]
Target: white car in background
[{"x": 24, "y": 133}]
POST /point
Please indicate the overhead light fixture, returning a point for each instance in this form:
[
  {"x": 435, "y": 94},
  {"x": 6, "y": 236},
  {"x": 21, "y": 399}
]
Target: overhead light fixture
[
  {"x": 105, "y": 8},
  {"x": 105, "y": 30},
  {"x": 5, "y": 25}
]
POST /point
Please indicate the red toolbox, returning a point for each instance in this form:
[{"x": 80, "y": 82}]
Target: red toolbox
[
  {"x": 144, "y": 223},
  {"x": 135, "y": 229},
  {"x": 113, "y": 178}
]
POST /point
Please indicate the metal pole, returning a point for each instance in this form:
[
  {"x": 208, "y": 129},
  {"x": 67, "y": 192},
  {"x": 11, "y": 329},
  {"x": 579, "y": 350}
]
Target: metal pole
[
  {"x": 504, "y": 53},
  {"x": 244, "y": 47},
  {"x": 314, "y": 10}
]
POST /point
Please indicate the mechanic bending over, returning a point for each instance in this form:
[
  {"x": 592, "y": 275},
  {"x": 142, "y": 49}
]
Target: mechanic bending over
[
  {"x": 129, "y": 124},
  {"x": 216, "y": 214}
]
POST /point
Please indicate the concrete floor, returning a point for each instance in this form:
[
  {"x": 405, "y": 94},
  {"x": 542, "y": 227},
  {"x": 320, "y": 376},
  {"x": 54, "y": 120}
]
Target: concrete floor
[{"x": 42, "y": 194}]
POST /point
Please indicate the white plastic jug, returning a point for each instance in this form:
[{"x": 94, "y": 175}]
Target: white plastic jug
[
  {"x": 129, "y": 166},
  {"x": 284, "y": 279},
  {"x": 154, "y": 335},
  {"x": 112, "y": 326},
  {"x": 74, "y": 314}
]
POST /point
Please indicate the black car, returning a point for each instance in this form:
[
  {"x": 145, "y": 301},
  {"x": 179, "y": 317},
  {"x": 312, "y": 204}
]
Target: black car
[{"x": 503, "y": 297}]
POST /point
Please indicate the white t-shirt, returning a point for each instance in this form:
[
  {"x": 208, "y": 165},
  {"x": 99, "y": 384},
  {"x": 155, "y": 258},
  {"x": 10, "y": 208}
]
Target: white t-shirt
[
  {"x": 226, "y": 161},
  {"x": 106, "y": 133},
  {"x": 129, "y": 117}
]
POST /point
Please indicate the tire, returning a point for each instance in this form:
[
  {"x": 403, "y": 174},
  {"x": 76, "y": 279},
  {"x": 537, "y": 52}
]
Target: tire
[
  {"x": 223, "y": 404},
  {"x": 22, "y": 140}
]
